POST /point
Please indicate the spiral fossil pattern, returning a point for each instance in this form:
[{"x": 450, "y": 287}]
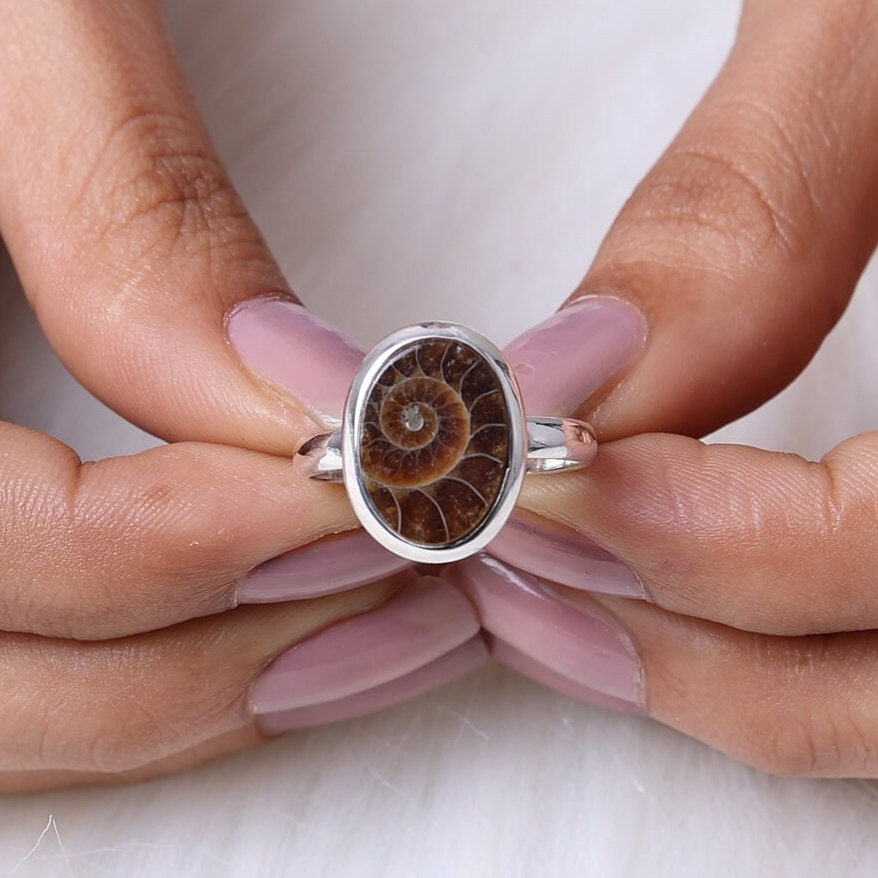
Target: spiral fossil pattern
[{"x": 434, "y": 445}]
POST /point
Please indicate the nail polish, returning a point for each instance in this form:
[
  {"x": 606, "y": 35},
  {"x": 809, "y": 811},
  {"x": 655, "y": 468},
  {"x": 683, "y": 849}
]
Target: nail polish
[
  {"x": 580, "y": 642},
  {"x": 296, "y": 351},
  {"x": 560, "y": 554},
  {"x": 563, "y": 361},
  {"x": 454, "y": 664},
  {"x": 325, "y": 566},
  {"x": 416, "y": 626},
  {"x": 540, "y": 673}
]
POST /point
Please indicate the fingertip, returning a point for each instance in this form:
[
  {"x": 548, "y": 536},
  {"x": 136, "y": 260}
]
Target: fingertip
[
  {"x": 299, "y": 353},
  {"x": 562, "y": 363}
]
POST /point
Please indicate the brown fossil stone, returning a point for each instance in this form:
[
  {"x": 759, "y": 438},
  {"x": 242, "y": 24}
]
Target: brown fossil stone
[{"x": 434, "y": 445}]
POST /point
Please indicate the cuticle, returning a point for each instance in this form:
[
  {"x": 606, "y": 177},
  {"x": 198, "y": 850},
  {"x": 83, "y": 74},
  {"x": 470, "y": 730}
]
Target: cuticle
[{"x": 258, "y": 298}]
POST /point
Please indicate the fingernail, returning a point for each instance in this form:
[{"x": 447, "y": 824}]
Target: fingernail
[
  {"x": 297, "y": 351},
  {"x": 454, "y": 664},
  {"x": 563, "y": 361},
  {"x": 562, "y": 555},
  {"x": 325, "y": 566},
  {"x": 586, "y": 646},
  {"x": 538, "y": 672},
  {"x": 415, "y": 627}
]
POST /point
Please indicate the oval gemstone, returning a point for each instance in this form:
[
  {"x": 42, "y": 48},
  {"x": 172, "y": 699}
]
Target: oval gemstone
[{"x": 434, "y": 444}]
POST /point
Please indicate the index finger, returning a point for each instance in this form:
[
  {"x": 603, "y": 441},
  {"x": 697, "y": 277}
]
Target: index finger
[{"x": 132, "y": 244}]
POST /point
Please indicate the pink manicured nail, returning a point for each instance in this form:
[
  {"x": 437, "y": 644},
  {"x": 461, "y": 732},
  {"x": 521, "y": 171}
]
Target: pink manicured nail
[
  {"x": 297, "y": 351},
  {"x": 325, "y": 566},
  {"x": 460, "y": 661},
  {"x": 415, "y": 627},
  {"x": 564, "y": 360},
  {"x": 586, "y": 646},
  {"x": 545, "y": 676},
  {"x": 562, "y": 555}
]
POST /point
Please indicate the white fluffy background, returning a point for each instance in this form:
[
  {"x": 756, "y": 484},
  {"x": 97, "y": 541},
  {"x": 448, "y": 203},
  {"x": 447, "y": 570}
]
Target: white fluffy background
[{"x": 411, "y": 159}]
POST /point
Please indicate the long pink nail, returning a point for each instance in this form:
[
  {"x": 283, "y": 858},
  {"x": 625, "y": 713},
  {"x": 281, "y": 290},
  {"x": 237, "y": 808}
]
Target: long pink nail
[
  {"x": 586, "y": 646},
  {"x": 297, "y": 351},
  {"x": 564, "y": 360},
  {"x": 456, "y": 663},
  {"x": 325, "y": 566},
  {"x": 562, "y": 555},
  {"x": 416, "y": 627},
  {"x": 545, "y": 676}
]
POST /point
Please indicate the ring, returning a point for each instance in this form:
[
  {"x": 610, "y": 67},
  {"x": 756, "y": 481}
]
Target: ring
[{"x": 434, "y": 444}]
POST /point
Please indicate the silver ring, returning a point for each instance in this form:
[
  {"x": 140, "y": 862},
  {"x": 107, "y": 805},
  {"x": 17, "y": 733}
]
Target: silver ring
[{"x": 434, "y": 443}]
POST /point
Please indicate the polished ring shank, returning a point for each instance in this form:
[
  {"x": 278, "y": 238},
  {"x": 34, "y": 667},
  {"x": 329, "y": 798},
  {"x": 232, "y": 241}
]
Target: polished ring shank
[{"x": 553, "y": 445}]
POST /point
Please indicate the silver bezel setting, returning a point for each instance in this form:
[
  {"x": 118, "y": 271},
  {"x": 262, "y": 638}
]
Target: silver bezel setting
[{"x": 370, "y": 370}]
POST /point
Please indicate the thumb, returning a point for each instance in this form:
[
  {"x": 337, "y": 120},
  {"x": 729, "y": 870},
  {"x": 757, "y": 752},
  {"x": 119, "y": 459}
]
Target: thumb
[
  {"x": 743, "y": 244},
  {"x": 134, "y": 249}
]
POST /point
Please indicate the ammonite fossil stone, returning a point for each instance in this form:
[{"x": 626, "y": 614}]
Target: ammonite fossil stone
[{"x": 434, "y": 445}]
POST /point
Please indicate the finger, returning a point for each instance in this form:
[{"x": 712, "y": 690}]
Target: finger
[
  {"x": 131, "y": 242},
  {"x": 743, "y": 244},
  {"x": 136, "y": 543},
  {"x": 138, "y": 706},
  {"x": 55, "y": 779},
  {"x": 453, "y": 664},
  {"x": 794, "y": 706},
  {"x": 753, "y": 539},
  {"x": 788, "y": 705}
]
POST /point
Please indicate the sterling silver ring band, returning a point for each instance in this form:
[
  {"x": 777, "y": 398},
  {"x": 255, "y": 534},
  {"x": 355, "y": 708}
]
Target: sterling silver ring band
[{"x": 434, "y": 443}]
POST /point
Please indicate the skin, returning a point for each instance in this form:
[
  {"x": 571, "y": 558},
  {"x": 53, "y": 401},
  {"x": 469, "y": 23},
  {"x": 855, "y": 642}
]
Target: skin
[
  {"x": 743, "y": 246},
  {"x": 125, "y": 229}
]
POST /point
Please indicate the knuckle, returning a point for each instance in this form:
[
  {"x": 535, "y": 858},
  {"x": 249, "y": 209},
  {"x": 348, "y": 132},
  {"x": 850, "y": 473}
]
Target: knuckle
[
  {"x": 793, "y": 718},
  {"x": 788, "y": 749},
  {"x": 708, "y": 202},
  {"x": 139, "y": 556},
  {"x": 185, "y": 513},
  {"x": 104, "y": 712},
  {"x": 160, "y": 720},
  {"x": 156, "y": 188},
  {"x": 825, "y": 746},
  {"x": 801, "y": 726},
  {"x": 733, "y": 198}
]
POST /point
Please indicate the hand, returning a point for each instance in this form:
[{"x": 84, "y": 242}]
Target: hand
[
  {"x": 741, "y": 247},
  {"x": 142, "y": 265}
]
